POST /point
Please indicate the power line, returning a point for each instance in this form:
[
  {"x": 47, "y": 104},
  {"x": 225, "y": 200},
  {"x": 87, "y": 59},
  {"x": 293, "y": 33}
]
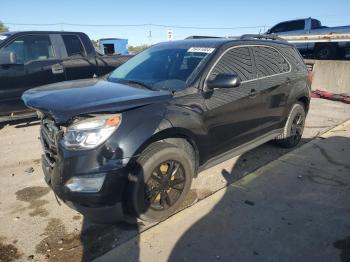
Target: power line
[{"x": 138, "y": 25}]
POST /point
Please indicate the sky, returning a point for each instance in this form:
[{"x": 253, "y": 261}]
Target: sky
[{"x": 231, "y": 16}]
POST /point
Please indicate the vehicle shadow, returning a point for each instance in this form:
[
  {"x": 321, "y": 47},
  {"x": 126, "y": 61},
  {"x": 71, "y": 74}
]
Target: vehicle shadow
[
  {"x": 98, "y": 239},
  {"x": 295, "y": 216},
  {"x": 256, "y": 158},
  {"x": 20, "y": 123}
]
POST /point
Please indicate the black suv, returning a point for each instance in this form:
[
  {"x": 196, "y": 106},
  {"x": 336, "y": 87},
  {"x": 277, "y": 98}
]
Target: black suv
[{"x": 129, "y": 145}]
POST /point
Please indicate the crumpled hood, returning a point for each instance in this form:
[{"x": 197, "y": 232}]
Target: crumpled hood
[{"x": 65, "y": 100}]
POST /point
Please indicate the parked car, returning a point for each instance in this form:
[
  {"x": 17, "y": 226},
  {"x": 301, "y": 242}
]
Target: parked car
[
  {"x": 30, "y": 59},
  {"x": 311, "y": 38},
  {"x": 129, "y": 145}
]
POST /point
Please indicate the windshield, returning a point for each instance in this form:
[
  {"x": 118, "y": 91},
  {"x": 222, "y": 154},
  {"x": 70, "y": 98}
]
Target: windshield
[{"x": 161, "y": 68}]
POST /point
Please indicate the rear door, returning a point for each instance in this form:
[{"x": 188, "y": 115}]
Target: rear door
[
  {"x": 37, "y": 63},
  {"x": 273, "y": 72},
  {"x": 78, "y": 64},
  {"x": 234, "y": 115}
]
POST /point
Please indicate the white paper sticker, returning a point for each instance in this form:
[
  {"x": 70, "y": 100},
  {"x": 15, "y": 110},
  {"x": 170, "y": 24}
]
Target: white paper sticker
[
  {"x": 208, "y": 50},
  {"x": 3, "y": 37}
]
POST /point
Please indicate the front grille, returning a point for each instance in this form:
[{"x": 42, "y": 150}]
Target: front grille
[{"x": 50, "y": 134}]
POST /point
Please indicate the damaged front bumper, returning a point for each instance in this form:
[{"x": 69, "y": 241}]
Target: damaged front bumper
[{"x": 91, "y": 182}]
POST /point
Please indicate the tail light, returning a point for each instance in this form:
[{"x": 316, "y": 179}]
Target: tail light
[
  {"x": 310, "y": 73},
  {"x": 310, "y": 76}
]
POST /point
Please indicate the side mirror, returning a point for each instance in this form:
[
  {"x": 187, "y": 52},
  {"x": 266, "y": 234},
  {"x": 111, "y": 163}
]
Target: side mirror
[
  {"x": 8, "y": 58},
  {"x": 224, "y": 81}
]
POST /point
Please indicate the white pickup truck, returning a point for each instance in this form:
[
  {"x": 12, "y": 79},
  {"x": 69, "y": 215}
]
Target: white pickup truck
[{"x": 311, "y": 38}]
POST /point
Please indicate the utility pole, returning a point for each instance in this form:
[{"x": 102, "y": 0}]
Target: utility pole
[{"x": 150, "y": 37}]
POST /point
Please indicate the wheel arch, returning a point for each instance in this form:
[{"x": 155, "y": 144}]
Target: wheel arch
[
  {"x": 305, "y": 101},
  {"x": 177, "y": 136}
]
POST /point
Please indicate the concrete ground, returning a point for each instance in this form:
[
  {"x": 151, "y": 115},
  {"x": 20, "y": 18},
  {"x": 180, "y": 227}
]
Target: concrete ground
[{"x": 34, "y": 226}]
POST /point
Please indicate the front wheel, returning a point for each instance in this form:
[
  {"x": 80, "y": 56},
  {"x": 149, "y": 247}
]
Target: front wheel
[
  {"x": 294, "y": 128},
  {"x": 162, "y": 179}
]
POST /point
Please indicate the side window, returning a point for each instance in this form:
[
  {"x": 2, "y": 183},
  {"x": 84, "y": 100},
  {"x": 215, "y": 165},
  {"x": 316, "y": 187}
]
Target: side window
[
  {"x": 295, "y": 25},
  {"x": 31, "y": 48},
  {"x": 278, "y": 28},
  {"x": 236, "y": 60},
  {"x": 269, "y": 61},
  {"x": 288, "y": 26},
  {"x": 73, "y": 45}
]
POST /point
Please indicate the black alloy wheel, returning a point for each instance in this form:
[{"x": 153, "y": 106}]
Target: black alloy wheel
[
  {"x": 294, "y": 127},
  {"x": 161, "y": 179},
  {"x": 165, "y": 185},
  {"x": 297, "y": 128}
]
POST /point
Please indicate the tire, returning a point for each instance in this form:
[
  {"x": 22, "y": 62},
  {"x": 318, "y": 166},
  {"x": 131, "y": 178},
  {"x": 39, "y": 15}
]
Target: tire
[
  {"x": 341, "y": 53},
  {"x": 325, "y": 51},
  {"x": 294, "y": 127},
  {"x": 153, "y": 174}
]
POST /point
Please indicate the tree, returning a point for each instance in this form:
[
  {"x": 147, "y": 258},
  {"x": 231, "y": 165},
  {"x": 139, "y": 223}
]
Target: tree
[
  {"x": 94, "y": 43},
  {"x": 137, "y": 49},
  {"x": 3, "y": 28}
]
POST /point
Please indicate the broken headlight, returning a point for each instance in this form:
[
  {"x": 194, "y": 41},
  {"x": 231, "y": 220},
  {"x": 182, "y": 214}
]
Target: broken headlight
[{"x": 90, "y": 133}]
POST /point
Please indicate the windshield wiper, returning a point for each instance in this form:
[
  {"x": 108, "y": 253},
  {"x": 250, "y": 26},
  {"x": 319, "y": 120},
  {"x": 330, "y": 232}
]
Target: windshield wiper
[{"x": 139, "y": 83}]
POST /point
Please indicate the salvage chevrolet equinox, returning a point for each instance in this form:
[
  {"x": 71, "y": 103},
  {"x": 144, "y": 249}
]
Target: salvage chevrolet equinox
[{"x": 128, "y": 145}]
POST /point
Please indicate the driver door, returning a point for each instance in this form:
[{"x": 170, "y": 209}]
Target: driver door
[
  {"x": 233, "y": 115},
  {"x": 36, "y": 64}
]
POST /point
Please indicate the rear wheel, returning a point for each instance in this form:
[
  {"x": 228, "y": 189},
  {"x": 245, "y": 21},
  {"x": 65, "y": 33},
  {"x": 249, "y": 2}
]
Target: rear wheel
[
  {"x": 294, "y": 127},
  {"x": 162, "y": 180},
  {"x": 325, "y": 51},
  {"x": 341, "y": 53}
]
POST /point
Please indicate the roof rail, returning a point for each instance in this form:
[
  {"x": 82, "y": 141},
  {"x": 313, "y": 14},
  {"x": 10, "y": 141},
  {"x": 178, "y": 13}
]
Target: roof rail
[
  {"x": 200, "y": 37},
  {"x": 267, "y": 37}
]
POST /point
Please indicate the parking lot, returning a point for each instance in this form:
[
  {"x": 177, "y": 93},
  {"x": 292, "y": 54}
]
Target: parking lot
[{"x": 34, "y": 226}]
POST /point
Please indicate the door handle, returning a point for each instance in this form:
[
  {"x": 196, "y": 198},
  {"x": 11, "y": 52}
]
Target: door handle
[
  {"x": 57, "y": 69},
  {"x": 253, "y": 93}
]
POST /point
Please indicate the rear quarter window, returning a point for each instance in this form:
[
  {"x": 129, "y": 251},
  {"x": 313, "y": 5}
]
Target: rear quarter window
[
  {"x": 269, "y": 61},
  {"x": 73, "y": 45},
  {"x": 294, "y": 58}
]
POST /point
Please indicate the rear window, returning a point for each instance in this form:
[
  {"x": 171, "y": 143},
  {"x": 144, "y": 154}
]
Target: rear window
[{"x": 73, "y": 45}]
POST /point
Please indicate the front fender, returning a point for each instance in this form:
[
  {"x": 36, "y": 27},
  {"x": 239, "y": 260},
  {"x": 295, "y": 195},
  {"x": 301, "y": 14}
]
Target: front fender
[
  {"x": 145, "y": 127},
  {"x": 138, "y": 125}
]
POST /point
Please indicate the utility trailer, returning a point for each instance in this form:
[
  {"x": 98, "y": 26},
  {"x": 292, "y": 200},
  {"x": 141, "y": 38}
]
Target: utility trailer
[
  {"x": 313, "y": 39},
  {"x": 321, "y": 46}
]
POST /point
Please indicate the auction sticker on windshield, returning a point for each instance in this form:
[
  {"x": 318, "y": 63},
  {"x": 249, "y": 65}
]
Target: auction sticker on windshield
[{"x": 208, "y": 50}]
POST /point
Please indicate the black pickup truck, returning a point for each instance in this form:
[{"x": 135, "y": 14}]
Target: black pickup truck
[{"x": 30, "y": 59}]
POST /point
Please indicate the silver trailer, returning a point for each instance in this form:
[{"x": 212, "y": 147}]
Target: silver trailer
[{"x": 311, "y": 38}]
